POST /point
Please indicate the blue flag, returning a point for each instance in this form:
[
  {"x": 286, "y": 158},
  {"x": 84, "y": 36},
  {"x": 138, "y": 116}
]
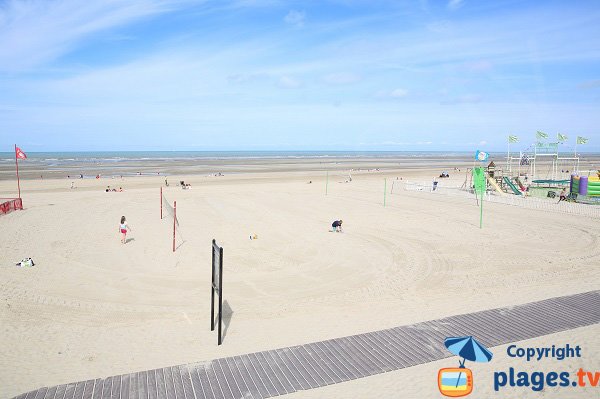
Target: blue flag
[{"x": 481, "y": 156}]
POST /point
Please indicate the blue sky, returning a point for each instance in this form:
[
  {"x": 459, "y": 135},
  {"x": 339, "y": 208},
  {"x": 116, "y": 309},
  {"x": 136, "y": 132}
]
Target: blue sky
[{"x": 296, "y": 75}]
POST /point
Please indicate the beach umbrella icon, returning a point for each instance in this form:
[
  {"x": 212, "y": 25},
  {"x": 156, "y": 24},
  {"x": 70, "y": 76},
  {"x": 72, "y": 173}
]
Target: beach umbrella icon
[{"x": 469, "y": 349}]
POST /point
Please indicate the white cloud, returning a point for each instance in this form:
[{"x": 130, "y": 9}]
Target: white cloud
[
  {"x": 590, "y": 84},
  {"x": 397, "y": 93},
  {"x": 295, "y": 18},
  {"x": 289, "y": 82},
  {"x": 465, "y": 99},
  {"x": 342, "y": 78},
  {"x": 455, "y": 4},
  {"x": 483, "y": 142},
  {"x": 34, "y": 32},
  {"x": 479, "y": 66}
]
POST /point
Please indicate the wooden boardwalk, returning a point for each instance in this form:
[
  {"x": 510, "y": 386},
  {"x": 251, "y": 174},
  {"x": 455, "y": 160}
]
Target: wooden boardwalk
[{"x": 281, "y": 371}]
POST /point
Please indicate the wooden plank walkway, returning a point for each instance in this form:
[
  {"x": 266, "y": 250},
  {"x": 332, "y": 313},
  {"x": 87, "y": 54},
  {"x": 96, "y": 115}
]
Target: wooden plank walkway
[{"x": 281, "y": 371}]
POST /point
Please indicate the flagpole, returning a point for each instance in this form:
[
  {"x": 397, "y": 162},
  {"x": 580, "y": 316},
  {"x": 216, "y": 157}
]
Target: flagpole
[
  {"x": 17, "y": 163},
  {"x": 575, "y": 160},
  {"x": 508, "y": 156}
]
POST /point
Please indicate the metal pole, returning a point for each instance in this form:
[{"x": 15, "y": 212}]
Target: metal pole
[
  {"x": 508, "y": 165},
  {"x": 577, "y": 161},
  {"x": 384, "y": 190},
  {"x": 212, "y": 289},
  {"x": 174, "y": 220},
  {"x": 18, "y": 179},
  {"x": 220, "y": 292},
  {"x": 481, "y": 211}
]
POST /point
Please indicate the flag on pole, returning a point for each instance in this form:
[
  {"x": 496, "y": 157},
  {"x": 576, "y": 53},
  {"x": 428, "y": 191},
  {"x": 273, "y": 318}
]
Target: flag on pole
[
  {"x": 20, "y": 154},
  {"x": 513, "y": 139},
  {"x": 481, "y": 156},
  {"x": 561, "y": 137},
  {"x": 541, "y": 135},
  {"x": 581, "y": 140}
]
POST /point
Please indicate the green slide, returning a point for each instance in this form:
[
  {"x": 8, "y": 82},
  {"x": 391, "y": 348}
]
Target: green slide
[{"x": 512, "y": 186}]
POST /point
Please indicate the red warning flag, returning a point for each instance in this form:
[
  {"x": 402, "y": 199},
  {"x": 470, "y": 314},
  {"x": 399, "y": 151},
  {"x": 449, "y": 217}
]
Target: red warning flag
[{"x": 20, "y": 153}]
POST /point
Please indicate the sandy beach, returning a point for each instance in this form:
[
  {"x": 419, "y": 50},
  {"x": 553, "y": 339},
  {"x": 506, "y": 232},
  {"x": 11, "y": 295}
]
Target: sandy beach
[{"x": 92, "y": 307}]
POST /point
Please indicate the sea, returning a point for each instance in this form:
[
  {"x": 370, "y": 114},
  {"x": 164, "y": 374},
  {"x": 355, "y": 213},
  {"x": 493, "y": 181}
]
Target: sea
[{"x": 128, "y": 163}]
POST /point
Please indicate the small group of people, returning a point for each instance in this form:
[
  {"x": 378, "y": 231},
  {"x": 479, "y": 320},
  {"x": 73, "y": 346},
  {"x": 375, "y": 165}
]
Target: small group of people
[
  {"x": 112, "y": 190},
  {"x": 336, "y": 227},
  {"x": 185, "y": 185}
]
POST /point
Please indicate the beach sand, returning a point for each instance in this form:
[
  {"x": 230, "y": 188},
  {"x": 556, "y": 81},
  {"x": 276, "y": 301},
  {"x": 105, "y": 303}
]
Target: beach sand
[{"x": 92, "y": 307}]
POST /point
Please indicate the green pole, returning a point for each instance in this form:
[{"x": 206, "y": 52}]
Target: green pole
[
  {"x": 326, "y": 182},
  {"x": 384, "y": 190},
  {"x": 481, "y": 211}
]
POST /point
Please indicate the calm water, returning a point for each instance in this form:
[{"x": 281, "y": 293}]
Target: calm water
[
  {"x": 128, "y": 163},
  {"x": 117, "y": 156}
]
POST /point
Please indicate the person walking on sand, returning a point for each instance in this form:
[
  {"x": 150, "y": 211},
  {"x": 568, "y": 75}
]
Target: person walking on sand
[
  {"x": 337, "y": 226},
  {"x": 123, "y": 227}
]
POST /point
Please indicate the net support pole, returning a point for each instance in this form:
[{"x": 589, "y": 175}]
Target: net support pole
[
  {"x": 161, "y": 196},
  {"x": 481, "y": 211},
  {"x": 18, "y": 179},
  {"x": 174, "y": 221}
]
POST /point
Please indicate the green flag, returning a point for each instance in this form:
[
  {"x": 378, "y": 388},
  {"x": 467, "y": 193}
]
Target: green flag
[
  {"x": 541, "y": 135},
  {"x": 513, "y": 139},
  {"x": 581, "y": 140},
  {"x": 479, "y": 179},
  {"x": 561, "y": 137}
]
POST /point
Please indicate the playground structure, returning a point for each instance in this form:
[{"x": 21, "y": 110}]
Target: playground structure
[
  {"x": 540, "y": 170},
  {"x": 542, "y": 161},
  {"x": 585, "y": 185}
]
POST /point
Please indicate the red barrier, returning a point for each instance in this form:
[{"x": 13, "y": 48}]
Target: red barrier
[{"x": 10, "y": 204}]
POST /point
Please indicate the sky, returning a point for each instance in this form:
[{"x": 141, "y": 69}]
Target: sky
[{"x": 297, "y": 75}]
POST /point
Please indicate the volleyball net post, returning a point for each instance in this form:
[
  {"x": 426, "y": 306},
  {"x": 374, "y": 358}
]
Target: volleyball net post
[
  {"x": 168, "y": 211},
  {"x": 174, "y": 222}
]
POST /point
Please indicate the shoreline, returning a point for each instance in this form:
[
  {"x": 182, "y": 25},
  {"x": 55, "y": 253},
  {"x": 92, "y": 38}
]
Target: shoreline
[{"x": 37, "y": 169}]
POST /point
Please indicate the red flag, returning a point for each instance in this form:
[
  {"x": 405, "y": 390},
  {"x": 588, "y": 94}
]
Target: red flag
[{"x": 20, "y": 153}]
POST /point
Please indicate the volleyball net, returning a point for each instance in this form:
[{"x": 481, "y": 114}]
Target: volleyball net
[
  {"x": 10, "y": 204},
  {"x": 168, "y": 213}
]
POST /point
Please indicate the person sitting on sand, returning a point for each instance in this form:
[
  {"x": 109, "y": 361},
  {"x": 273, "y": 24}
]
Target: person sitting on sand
[
  {"x": 562, "y": 195},
  {"x": 337, "y": 226},
  {"x": 123, "y": 227}
]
